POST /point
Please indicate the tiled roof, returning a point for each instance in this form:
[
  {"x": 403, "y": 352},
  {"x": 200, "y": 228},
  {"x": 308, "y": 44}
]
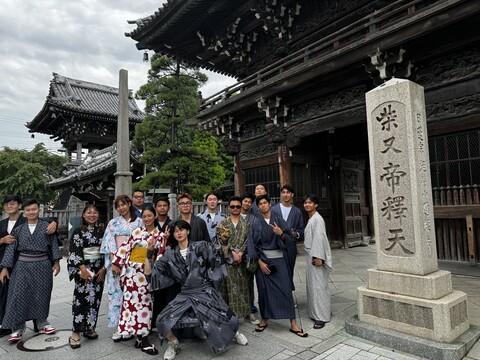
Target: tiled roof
[
  {"x": 87, "y": 99},
  {"x": 96, "y": 165}
]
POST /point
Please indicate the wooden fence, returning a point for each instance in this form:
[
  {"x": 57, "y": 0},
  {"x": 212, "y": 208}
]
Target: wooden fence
[{"x": 457, "y": 222}]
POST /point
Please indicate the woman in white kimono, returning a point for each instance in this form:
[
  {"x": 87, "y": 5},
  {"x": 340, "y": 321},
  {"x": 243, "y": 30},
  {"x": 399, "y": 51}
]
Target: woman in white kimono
[{"x": 319, "y": 264}]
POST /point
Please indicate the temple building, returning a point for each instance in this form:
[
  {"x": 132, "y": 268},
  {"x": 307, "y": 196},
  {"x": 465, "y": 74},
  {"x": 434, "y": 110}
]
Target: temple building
[{"x": 297, "y": 112}]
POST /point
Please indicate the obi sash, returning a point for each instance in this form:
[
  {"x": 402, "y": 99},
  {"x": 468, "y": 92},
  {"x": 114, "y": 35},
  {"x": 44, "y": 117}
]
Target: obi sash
[
  {"x": 138, "y": 254},
  {"x": 33, "y": 257},
  {"x": 119, "y": 239},
  {"x": 92, "y": 253}
]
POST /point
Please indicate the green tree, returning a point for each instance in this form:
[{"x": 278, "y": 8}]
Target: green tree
[
  {"x": 182, "y": 158},
  {"x": 27, "y": 173}
]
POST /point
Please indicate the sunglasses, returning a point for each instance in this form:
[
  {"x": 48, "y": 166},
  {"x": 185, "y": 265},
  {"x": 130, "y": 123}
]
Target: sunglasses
[{"x": 235, "y": 206}]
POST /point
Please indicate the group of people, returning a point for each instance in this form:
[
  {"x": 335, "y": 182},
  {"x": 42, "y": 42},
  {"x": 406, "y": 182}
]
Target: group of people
[{"x": 196, "y": 271}]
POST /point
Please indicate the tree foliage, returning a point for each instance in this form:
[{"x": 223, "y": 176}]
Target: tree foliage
[
  {"x": 26, "y": 173},
  {"x": 183, "y": 158}
]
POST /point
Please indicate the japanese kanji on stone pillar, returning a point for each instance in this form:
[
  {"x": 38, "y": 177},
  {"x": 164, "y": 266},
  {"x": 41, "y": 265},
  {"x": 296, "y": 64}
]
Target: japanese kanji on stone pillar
[{"x": 406, "y": 292}]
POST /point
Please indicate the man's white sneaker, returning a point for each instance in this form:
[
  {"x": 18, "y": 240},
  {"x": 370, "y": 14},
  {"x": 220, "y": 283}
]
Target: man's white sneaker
[
  {"x": 49, "y": 330},
  {"x": 16, "y": 336},
  {"x": 172, "y": 350},
  {"x": 241, "y": 339}
]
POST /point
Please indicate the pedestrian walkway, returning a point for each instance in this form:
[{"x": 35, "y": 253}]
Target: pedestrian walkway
[{"x": 275, "y": 343}]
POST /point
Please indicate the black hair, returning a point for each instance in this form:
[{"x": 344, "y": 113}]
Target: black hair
[
  {"x": 163, "y": 198},
  {"x": 181, "y": 224},
  {"x": 261, "y": 197},
  {"x": 153, "y": 211},
  {"x": 288, "y": 187},
  {"x": 30, "y": 202},
  {"x": 235, "y": 198},
  {"x": 249, "y": 196},
  {"x": 126, "y": 200},
  {"x": 312, "y": 197},
  {"x": 9, "y": 198},
  {"x": 211, "y": 193},
  {"x": 85, "y": 224}
]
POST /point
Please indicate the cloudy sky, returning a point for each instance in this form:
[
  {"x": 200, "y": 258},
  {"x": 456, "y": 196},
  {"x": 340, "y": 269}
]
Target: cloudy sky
[{"x": 82, "y": 39}]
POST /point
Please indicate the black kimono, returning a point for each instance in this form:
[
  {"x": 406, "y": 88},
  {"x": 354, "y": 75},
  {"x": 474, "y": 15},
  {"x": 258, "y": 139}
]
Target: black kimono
[{"x": 198, "y": 300}]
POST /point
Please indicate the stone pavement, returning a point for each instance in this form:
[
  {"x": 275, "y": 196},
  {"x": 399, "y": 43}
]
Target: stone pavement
[{"x": 275, "y": 343}]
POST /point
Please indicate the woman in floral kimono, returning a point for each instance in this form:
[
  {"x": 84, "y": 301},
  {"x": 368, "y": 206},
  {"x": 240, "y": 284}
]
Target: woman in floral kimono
[
  {"x": 118, "y": 230},
  {"x": 85, "y": 266},
  {"x": 129, "y": 263},
  {"x": 196, "y": 265}
]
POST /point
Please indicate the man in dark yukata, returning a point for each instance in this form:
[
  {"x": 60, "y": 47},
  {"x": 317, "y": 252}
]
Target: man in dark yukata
[{"x": 12, "y": 205}]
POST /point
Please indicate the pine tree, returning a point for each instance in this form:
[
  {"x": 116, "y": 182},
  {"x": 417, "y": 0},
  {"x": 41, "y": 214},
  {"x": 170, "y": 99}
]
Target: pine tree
[{"x": 182, "y": 158}]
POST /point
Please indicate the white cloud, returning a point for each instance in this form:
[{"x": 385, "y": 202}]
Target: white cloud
[{"x": 82, "y": 39}]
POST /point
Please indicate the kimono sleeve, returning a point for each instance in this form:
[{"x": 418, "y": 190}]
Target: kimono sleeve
[
  {"x": 320, "y": 245},
  {"x": 108, "y": 242},
  {"x": 298, "y": 224},
  {"x": 282, "y": 244},
  {"x": 253, "y": 239},
  {"x": 75, "y": 253},
  {"x": 55, "y": 253},
  {"x": 161, "y": 273},
  {"x": 10, "y": 250},
  {"x": 217, "y": 270}
]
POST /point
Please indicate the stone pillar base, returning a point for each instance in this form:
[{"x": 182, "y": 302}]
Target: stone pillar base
[
  {"x": 415, "y": 345},
  {"x": 442, "y": 319},
  {"x": 432, "y": 286}
]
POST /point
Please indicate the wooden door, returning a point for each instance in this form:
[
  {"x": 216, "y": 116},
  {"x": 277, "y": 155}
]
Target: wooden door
[{"x": 350, "y": 184}]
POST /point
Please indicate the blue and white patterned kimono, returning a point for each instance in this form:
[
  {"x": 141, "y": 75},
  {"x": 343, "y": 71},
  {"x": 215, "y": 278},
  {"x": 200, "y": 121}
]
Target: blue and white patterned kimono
[{"x": 118, "y": 226}]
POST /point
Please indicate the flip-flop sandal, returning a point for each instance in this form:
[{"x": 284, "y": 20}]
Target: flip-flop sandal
[
  {"x": 150, "y": 350},
  {"x": 319, "y": 325},
  {"x": 299, "y": 333},
  {"x": 74, "y": 344},
  {"x": 260, "y": 328}
]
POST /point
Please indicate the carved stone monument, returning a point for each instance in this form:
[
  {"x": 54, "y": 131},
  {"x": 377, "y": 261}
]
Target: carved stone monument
[{"x": 406, "y": 292}]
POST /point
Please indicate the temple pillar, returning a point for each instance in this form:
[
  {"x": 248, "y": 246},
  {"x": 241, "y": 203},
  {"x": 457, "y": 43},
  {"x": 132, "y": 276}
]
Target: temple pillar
[{"x": 284, "y": 165}]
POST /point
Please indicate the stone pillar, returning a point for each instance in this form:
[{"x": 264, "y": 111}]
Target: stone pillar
[
  {"x": 173, "y": 213},
  {"x": 123, "y": 176},
  {"x": 79, "y": 151},
  {"x": 406, "y": 292}
]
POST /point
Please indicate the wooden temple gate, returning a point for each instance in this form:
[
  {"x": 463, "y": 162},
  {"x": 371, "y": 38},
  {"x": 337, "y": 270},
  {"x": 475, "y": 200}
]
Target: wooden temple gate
[{"x": 457, "y": 222}]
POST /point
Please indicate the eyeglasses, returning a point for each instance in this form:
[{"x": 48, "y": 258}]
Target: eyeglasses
[
  {"x": 235, "y": 206},
  {"x": 186, "y": 203}
]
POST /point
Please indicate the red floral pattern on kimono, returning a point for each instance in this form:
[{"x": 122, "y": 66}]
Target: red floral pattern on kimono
[{"x": 137, "y": 302}]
